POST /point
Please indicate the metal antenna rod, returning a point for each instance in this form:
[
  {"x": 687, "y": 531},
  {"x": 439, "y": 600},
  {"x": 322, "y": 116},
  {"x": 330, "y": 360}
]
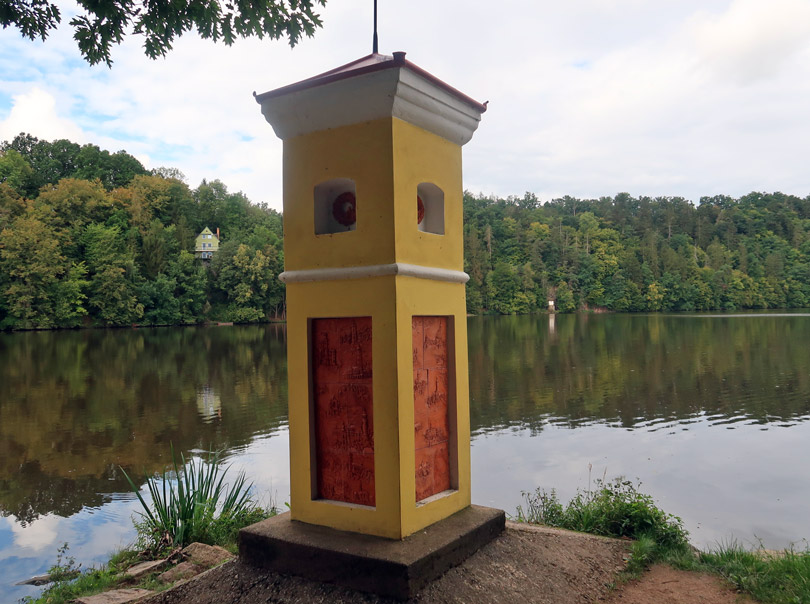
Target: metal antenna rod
[{"x": 374, "y": 47}]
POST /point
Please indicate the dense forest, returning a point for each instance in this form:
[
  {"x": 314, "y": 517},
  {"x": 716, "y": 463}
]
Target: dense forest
[
  {"x": 637, "y": 254},
  {"x": 89, "y": 237}
]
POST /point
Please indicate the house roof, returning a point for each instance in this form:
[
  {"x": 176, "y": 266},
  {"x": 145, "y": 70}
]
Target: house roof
[
  {"x": 209, "y": 231},
  {"x": 369, "y": 64}
]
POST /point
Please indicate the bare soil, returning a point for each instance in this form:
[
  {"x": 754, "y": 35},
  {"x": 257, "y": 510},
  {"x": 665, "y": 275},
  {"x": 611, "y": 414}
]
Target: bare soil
[
  {"x": 662, "y": 584},
  {"x": 525, "y": 564}
]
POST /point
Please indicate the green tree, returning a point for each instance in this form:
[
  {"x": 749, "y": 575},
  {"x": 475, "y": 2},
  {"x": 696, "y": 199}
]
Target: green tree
[
  {"x": 503, "y": 285},
  {"x": 50, "y": 161},
  {"x": 243, "y": 275},
  {"x": 32, "y": 263},
  {"x": 15, "y": 171},
  {"x": 159, "y": 245},
  {"x": 190, "y": 283},
  {"x": 71, "y": 205},
  {"x": 106, "y": 22},
  {"x": 69, "y": 306},
  {"x": 11, "y": 205},
  {"x": 160, "y": 306},
  {"x": 113, "y": 276},
  {"x": 112, "y": 169},
  {"x": 565, "y": 299}
]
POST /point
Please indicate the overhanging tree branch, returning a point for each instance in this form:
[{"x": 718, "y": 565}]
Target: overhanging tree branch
[{"x": 107, "y": 22}]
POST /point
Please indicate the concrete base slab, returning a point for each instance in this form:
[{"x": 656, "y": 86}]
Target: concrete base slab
[{"x": 395, "y": 569}]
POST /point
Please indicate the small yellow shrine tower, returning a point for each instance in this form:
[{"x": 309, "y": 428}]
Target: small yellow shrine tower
[{"x": 376, "y": 313}]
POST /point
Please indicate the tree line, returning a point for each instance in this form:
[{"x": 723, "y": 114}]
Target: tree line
[
  {"x": 89, "y": 237},
  {"x": 642, "y": 254}
]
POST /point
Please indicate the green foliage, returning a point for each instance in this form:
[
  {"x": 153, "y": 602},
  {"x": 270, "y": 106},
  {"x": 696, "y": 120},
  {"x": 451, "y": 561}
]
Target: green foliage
[
  {"x": 777, "y": 577},
  {"x": 33, "y": 266},
  {"x": 101, "y": 24},
  {"x": 117, "y": 249},
  {"x": 15, "y": 171},
  {"x": 565, "y": 298},
  {"x": 243, "y": 278},
  {"x": 87, "y": 237},
  {"x": 194, "y": 504},
  {"x": 612, "y": 509},
  {"x": 114, "y": 275},
  {"x": 50, "y": 162},
  {"x": 637, "y": 254},
  {"x": 71, "y": 582}
]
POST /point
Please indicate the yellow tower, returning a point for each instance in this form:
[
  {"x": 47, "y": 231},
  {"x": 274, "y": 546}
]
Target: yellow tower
[
  {"x": 376, "y": 330},
  {"x": 376, "y": 315}
]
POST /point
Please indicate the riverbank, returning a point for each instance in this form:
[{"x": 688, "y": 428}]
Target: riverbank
[{"x": 527, "y": 563}]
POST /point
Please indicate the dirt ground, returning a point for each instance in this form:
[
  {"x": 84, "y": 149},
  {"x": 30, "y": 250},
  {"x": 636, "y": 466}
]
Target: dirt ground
[
  {"x": 526, "y": 564},
  {"x": 662, "y": 584}
]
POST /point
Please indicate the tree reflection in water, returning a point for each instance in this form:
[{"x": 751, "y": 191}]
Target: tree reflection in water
[{"x": 74, "y": 405}]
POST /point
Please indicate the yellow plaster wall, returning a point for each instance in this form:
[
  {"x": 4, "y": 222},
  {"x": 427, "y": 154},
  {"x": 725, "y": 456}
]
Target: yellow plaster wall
[
  {"x": 362, "y": 153},
  {"x": 387, "y": 159},
  {"x": 421, "y": 156}
]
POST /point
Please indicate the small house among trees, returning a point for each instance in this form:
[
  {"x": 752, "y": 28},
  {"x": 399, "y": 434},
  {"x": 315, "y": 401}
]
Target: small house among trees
[{"x": 207, "y": 244}]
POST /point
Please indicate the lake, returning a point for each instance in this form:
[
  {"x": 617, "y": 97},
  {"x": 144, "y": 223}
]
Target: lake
[{"x": 709, "y": 412}]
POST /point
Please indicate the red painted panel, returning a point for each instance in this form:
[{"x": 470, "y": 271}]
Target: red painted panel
[
  {"x": 430, "y": 406},
  {"x": 344, "y": 414}
]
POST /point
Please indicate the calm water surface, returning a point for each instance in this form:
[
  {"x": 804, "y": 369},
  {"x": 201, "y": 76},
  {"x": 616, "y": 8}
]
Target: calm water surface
[{"x": 709, "y": 412}]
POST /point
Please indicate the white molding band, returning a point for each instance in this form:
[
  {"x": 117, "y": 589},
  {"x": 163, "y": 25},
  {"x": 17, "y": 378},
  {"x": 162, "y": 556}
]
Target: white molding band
[{"x": 375, "y": 270}]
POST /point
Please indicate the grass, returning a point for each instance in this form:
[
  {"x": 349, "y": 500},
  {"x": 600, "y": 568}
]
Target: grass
[
  {"x": 192, "y": 503},
  {"x": 613, "y": 509},
  {"x": 70, "y": 582},
  {"x": 778, "y": 578},
  {"x": 619, "y": 509}
]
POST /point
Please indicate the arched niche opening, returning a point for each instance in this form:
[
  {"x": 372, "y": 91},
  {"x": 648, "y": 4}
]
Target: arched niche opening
[
  {"x": 335, "y": 206},
  {"x": 432, "y": 216}
]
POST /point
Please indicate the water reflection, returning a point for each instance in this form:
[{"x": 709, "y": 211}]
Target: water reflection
[
  {"x": 638, "y": 371},
  {"x": 709, "y": 411},
  {"x": 77, "y": 405}
]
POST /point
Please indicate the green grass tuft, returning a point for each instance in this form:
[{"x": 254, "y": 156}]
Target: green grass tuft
[
  {"x": 194, "y": 503},
  {"x": 614, "y": 509},
  {"x": 778, "y": 578}
]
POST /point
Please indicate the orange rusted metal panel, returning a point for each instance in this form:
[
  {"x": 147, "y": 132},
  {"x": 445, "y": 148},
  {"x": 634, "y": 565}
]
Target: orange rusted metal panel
[
  {"x": 344, "y": 414},
  {"x": 430, "y": 405}
]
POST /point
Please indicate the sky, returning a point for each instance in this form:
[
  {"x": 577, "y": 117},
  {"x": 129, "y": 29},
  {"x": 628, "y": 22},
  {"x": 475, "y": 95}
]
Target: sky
[{"x": 586, "y": 97}]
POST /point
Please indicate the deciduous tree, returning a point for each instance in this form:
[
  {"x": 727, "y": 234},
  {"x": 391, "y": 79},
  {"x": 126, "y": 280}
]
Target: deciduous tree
[{"x": 102, "y": 23}]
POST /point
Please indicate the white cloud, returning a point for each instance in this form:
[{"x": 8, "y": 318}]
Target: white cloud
[
  {"x": 753, "y": 40},
  {"x": 36, "y": 112},
  {"x": 37, "y": 535}
]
